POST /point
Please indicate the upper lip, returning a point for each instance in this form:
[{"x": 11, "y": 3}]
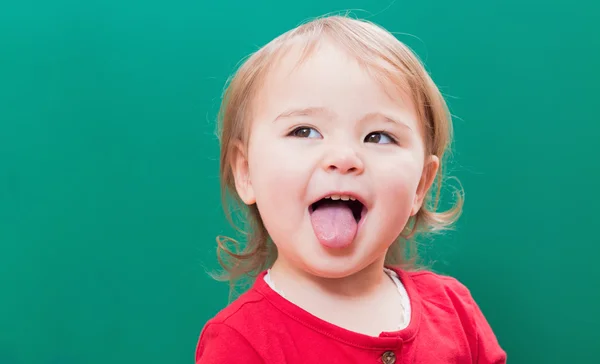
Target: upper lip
[{"x": 354, "y": 195}]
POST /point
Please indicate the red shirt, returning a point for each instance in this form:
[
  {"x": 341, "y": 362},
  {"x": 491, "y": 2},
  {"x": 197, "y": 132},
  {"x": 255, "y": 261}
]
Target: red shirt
[{"x": 446, "y": 326}]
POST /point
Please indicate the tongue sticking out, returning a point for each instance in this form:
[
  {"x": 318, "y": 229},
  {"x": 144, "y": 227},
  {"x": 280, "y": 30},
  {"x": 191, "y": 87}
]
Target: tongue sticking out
[{"x": 334, "y": 224}]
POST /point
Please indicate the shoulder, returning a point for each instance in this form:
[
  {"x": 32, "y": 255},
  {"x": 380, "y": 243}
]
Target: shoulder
[
  {"x": 431, "y": 285},
  {"x": 247, "y": 304},
  {"x": 229, "y": 329},
  {"x": 441, "y": 294},
  {"x": 431, "y": 279}
]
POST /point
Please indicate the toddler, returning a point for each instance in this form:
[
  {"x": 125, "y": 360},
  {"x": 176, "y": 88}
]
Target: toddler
[{"x": 333, "y": 139}]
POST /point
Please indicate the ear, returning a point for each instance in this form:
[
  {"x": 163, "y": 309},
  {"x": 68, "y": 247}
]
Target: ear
[
  {"x": 241, "y": 174},
  {"x": 430, "y": 169}
]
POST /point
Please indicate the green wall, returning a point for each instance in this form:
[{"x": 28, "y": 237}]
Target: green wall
[{"x": 109, "y": 199}]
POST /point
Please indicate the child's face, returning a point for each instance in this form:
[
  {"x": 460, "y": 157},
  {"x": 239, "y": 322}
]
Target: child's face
[{"x": 315, "y": 132}]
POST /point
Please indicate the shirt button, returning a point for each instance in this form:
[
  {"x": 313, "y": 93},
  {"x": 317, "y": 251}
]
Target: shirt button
[{"x": 388, "y": 357}]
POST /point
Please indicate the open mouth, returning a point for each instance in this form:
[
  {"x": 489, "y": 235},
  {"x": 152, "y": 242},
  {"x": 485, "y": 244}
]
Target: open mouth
[
  {"x": 357, "y": 208},
  {"x": 336, "y": 220}
]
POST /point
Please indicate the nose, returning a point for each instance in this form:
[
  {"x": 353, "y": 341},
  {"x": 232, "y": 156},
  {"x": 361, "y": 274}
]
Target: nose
[{"x": 343, "y": 160}]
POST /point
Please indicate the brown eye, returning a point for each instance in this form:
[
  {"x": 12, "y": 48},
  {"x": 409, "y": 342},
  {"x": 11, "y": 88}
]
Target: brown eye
[
  {"x": 305, "y": 132},
  {"x": 379, "y": 138},
  {"x": 373, "y": 138},
  {"x": 302, "y": 132}
]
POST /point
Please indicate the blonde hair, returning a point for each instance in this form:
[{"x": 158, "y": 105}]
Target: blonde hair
[{"x": 374, "y": 48}]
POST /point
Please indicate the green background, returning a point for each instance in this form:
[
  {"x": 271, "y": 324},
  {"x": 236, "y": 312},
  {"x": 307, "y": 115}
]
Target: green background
[{"x": 109, "y": 202}]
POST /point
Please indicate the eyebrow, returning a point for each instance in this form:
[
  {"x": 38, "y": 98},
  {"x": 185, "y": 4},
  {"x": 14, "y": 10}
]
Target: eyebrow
[
  {"x": 309, "y": 111},
  {"x": 312, "y": 111}
]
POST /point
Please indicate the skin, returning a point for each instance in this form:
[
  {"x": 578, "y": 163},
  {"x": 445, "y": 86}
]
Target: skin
[{"x": 322, "y": 127}]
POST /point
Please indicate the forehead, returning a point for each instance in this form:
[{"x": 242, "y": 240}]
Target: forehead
[{"x": 329, "y": 76}]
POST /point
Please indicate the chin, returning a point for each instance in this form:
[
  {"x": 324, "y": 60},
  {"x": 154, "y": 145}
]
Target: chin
[{"x": 331, "y": 268}]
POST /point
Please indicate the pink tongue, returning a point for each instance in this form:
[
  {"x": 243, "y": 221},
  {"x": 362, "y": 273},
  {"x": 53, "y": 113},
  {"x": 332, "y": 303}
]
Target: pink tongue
[{"x": 334, "y": 224}]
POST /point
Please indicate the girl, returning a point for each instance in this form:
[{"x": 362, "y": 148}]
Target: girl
[{"x": 332, "y": 135}]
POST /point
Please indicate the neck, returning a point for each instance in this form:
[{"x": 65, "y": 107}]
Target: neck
[
  {"x": 296, "y": 283},
  {"x": 366, "y": 301}
]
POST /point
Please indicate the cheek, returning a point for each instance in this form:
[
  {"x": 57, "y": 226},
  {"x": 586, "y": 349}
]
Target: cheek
[
  {"x": 397, "y": 190},
  {"x": 275, "y": 169},
  {"x": 279, "y": 180},
  {"x": 397, "y": 205}
]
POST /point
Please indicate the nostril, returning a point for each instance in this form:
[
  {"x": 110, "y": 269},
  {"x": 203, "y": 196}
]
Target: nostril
[
  {"x": 343, "y": 162},
  {"x": 333, "y": 168}
]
